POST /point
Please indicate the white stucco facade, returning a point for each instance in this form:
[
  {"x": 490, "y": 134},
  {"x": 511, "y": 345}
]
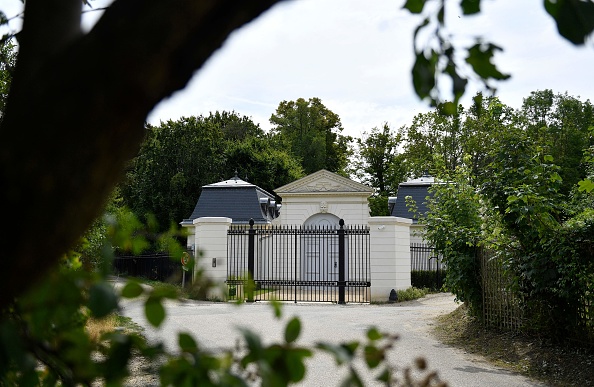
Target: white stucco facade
[
  {"x": 320, "y": 199},
  {"x": 324, "y": 192}
]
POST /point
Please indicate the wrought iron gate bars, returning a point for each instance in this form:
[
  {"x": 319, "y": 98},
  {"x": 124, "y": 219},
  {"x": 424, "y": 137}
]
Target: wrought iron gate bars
[{"x": 297, "y": 263}]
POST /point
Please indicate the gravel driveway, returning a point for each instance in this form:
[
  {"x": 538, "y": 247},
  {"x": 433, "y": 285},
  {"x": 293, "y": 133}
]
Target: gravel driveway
[{"x": 215, "y": 327}]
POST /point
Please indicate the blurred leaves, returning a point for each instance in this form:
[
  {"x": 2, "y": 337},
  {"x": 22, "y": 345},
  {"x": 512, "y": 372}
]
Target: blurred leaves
[{"x": 574, "y": 18}]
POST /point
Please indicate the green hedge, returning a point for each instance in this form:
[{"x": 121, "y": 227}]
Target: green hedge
[{"x": 427, "y": 279}]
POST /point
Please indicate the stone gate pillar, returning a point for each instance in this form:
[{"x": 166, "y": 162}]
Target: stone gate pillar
[
  {"x": 210, "y": 239},
  {"x": 389, "y": 254}
]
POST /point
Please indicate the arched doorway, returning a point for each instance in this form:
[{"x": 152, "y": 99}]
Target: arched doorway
[{"x": 320, "y": 248}]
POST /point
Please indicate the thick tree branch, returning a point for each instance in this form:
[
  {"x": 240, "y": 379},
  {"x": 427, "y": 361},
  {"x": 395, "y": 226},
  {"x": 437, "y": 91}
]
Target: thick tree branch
[{"x": 71, "y": 126}]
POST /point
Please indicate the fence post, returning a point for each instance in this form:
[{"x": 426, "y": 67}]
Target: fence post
[
  {"x": 251, "y": 248},
  {"x": 341, "y": 263}
]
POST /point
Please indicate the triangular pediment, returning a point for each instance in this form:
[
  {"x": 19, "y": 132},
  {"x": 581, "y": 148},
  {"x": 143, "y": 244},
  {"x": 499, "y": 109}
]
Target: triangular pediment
[{"x": 324, "y": 181}]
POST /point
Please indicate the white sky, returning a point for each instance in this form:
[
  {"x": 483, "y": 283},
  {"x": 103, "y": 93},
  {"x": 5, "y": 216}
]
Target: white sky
[{"x": 356, "y": 56}]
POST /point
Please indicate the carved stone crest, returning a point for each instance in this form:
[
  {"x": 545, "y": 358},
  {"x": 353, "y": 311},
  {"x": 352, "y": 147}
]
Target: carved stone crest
[{"x": 323, "y": 207}]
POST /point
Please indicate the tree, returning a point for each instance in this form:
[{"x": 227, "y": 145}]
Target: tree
[
  {"x": 261, "y": 163},
  {"x": 76, "y": 110},
  {"x": 433, "y": 142},
  {"x": 560, "y": 124},
  {"x": 175, "y": 161},
  {"x": 380, "y": 166},
  {"x": 379, "y": 162},
  {"x": 179, "y": 157},
  {"x": 311, "y": 132}
]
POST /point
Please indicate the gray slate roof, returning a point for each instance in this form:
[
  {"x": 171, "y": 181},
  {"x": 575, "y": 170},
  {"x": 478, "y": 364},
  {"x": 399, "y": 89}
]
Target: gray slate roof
[
  {"x": 418, "y": 190},
  {"x": 235, "y": 199}
]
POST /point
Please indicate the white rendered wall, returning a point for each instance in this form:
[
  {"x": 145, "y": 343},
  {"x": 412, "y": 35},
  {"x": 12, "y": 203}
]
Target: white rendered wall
[
  {"x": 210, "y": 239},
  {"x": 298, "y": 208},
  {"x": 390, "y": 255}
]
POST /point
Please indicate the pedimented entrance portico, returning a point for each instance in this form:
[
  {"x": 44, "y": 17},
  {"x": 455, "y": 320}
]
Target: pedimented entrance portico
[{"x": 324, "y": 192}]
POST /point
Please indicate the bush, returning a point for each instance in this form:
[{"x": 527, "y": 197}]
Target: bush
[
  {"x": 412, "y": 293},
  {"x": 427, "y": 279}
]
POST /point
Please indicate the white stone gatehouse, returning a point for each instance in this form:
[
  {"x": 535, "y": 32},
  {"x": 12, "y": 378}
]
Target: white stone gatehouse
[{"x": 317, "y": 200}]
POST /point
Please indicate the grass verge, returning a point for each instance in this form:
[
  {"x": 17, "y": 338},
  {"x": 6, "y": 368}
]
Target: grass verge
[{"x": 556, "y": 364}]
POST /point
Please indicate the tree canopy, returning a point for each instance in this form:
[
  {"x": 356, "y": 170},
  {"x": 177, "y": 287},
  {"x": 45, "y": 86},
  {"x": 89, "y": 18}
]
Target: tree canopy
[
  {"x": 178, "y": 157},
  {"x": 312, "y": 133}
]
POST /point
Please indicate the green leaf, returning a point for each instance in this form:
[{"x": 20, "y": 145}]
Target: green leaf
[
  {"x": 373, "y": 356},
  {"x": 586, "y": 185},
  {"x": 132, "y": 289},
  {"x": 385, "y": 376},
  {"x": 187, "y": 342},
  {"x": 154, "y": 311},
  {"x": 470, "y": 7},
  {"x": 253, "y": 341},
  {"x": 294, "y": 361},
  {"x": 293, "y": 329},
  {"x": 574, "y": 18},
  {"x": 277, "y": 308},
  {"x": 373, "y": 334},
  {"x": 458, "y": 83},
  {"x": 414, "y": 6},
  {"x": 102, "y": 299},
  {"x": 479, "y": 57},
  {"x": 423, "y": 73}
]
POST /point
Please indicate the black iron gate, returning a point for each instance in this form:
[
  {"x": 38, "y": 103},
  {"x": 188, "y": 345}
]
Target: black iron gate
[
  {"x": 427, "y": 267},
  {"x": 296, "y": 263}
]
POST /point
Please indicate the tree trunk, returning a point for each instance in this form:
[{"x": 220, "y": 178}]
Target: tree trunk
[{"x": 76, "y": 112}]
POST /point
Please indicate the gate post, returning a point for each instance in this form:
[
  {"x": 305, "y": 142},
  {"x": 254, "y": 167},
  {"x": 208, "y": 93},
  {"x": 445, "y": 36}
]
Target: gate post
[
  {"x": 251, "y": 248},
  {"x": 341, "y": 263}
]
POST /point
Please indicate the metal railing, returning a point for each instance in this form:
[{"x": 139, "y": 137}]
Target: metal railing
[
  {"x": 156, "y": 267},
  {"x": 300, "y": 264},
  {"x": 427, "y": 267}
]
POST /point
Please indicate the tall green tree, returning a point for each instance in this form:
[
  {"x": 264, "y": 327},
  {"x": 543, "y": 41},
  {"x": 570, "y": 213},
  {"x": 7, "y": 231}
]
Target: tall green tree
[
  {"x": 179, "y": 157},
  {"x": 312, "y": 133},
  {"x": 261, "y": 163},
  {"x": 561, "y": 125},
  {"x": 433, "y": 141},
  {"x": 380, "y": 166},
  {"x": 175, "y": 161},
  {"x": 483, "y": 122}
]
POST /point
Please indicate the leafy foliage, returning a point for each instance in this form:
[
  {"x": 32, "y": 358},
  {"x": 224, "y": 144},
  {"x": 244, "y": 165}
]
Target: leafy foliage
[
  {"x": 311, "y": 133},
  {"x": 525, "y": 198},
  {"x": 44, "y": 341},
  {"x": 379, "y": 164},
  {"x": 437, "y": 57},
  {"x": 453, "y": 226},
  {"x": 178, "y": 157}
]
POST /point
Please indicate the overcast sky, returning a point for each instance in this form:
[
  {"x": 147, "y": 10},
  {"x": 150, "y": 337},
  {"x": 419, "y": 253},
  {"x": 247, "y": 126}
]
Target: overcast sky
[{"x": 356, "y": 56}]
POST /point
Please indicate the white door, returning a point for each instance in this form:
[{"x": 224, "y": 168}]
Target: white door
[{"x": 320, "y": 261}]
